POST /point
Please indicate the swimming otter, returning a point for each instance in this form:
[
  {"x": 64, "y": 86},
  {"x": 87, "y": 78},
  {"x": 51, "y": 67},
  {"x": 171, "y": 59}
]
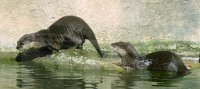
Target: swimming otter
[
  {"x": 166, "y": 61},
  {"x": 156, "y": 61},
  {"x": 67, "y": 32},
  {"x": 128, "y": 54}
]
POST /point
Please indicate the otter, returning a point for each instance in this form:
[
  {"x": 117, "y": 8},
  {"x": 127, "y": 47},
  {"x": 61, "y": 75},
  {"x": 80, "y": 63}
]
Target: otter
[
  {"x": 128, "y": 54},
  {"x": 33, "y": 53},
  {"x": 66, "y": 32},
  {"x": 156, "y": 61}
]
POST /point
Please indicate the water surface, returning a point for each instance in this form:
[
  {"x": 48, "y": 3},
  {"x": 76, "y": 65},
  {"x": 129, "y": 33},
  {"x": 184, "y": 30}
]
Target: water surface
[{"x": 32, "y": 75}]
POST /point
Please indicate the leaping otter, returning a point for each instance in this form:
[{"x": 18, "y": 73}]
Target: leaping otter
[{"x": 156, "y": 61}]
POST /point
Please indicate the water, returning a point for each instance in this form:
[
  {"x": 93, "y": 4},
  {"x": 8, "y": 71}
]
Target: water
[{"x": 32, "y": 75}]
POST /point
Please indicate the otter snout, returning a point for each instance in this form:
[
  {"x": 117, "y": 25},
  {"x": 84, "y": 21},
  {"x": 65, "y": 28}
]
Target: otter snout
[{"x": 18, "y": 47}]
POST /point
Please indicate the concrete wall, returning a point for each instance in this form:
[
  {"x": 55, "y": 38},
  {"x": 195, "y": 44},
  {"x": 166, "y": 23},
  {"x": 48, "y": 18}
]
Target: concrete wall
[{"x": 111, "y": 20}]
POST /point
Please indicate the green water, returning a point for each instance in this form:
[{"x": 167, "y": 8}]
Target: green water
[
  {"x": 83, "y": 69},
  {"x": 31, "y": 75}
]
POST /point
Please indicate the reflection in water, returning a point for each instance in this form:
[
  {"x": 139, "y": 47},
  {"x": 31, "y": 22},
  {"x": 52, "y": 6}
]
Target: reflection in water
[
  {"x": 40, "y": 78},
  {"x": 165, "y": 79},
  {"x": 127, "y": 80},
  {"x": 133, "y": 79},
  {"x": 30, "y": 75}
]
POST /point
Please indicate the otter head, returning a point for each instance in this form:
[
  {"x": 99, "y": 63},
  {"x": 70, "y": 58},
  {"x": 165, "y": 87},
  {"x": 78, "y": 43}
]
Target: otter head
[
  {"x": 25, "y": 41},
  {"x": 120, "y": 48},
  {"x": 126, "y": 51}
]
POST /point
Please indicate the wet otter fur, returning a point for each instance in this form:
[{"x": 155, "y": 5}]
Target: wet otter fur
[
  {"x": 66, "y": 32},
  {"x": 128, "y": 54},
  {"x": 156, "y": 61},
  {"x": 33, "y": 53}
]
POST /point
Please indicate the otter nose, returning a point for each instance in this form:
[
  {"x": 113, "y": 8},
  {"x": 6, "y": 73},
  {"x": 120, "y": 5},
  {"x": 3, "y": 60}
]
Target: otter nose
[{"x": 18, "y": 47}]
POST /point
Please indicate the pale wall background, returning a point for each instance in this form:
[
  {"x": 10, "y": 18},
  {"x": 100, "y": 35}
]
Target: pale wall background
[{"x": 111, "y": 20}]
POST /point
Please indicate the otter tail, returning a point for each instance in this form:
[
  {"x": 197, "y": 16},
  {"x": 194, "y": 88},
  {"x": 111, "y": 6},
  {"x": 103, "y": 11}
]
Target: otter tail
[{"x": 89, "y": 34}]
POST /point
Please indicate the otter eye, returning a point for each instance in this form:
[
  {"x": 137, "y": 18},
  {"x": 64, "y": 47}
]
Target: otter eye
[{"x": 21, "y": 43}]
